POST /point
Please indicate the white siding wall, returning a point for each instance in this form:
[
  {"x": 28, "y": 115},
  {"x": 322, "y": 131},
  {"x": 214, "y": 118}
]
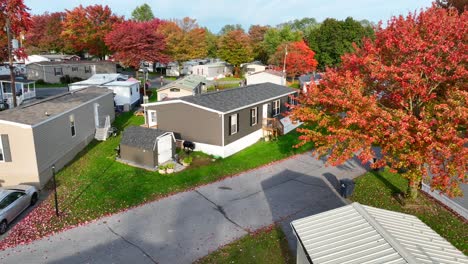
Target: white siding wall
[
  {"x": 232, "y": 148},
  {"x": 263, "y": 78}
]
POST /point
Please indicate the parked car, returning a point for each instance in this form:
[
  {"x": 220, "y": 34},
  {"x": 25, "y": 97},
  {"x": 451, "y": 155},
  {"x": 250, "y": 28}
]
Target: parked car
[{"x": 13, "y": 201}]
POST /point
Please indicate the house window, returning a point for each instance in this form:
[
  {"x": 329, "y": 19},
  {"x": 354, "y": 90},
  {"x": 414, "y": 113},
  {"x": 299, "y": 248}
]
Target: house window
[
  {"x": 2, "y": 155},
  {"x": 58, "y": 71},
  {"x": 233, "y": 124},
  {"x": 5, "y": 155},
  {"x": 87, "y": 69},
  {"x": 131, "y": 92},
  {"x": 74, "y": 69},
  {"x": 72, "y": 125},
  {"x": 276, "y": 107},
  {"x": 253, "y": 116},
  {"x": 292, "y": 100},
  {"x": 175, "y": 90}
]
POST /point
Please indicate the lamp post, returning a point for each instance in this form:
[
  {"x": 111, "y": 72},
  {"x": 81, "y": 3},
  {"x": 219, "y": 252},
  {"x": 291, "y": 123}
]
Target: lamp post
[
  {"x": 284, "y": 64},
  {"x": 55, "y": 191},
  {"x": 10, "y": 60}
]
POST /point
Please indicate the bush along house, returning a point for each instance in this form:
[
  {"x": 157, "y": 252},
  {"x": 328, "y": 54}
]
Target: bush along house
[{"x": 224, "y": 122}]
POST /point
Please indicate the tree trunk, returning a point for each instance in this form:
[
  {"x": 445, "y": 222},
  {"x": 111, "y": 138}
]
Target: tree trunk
[{"x": 413, "y": 189}]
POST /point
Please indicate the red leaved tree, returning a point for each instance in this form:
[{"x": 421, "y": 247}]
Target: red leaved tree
[
  {"x": 19, "y": 19},
  {"x": 44, "y": 34},
  {"x": 407, "y": 93},
  {"x": 299, "y": 60},
  {"x": 133, "y": 42},
  {"x": 84, "y": 29}
]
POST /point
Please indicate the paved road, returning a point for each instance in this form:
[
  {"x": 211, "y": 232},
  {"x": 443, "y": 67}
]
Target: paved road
[
  {"x": 186, "y": 226},
  {"x": 46, "y": 92}
]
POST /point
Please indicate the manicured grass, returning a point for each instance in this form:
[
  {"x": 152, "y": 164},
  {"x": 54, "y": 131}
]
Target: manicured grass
[
  {"x": 223, "y": 86},
  {"x": 267, "y": 246},
  {"x": 229, "y": 79},
  {"x": 377, "y": 189},
  {"x": 154, "y": 95},
  {"x": 295, "y": 85},
  {"x": 51, "y": 85},
  {"x": 94, "y": 184}
]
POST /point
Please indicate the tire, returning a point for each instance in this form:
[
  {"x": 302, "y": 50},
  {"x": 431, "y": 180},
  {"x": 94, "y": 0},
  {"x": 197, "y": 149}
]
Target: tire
[
  {"x": 33, "y": 199},
  {"x": 3, "y": 227}
]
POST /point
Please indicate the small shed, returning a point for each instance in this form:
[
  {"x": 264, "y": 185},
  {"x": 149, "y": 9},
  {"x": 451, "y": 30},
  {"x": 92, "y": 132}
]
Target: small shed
[
  {"x": 146, "y": 147},
  {"x": 362, "y": 234}
]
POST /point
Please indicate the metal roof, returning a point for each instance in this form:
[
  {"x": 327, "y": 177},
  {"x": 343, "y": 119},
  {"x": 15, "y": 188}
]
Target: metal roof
[
  {"x": 362, "y": 234},
  {"x": 188, "y": 83}
]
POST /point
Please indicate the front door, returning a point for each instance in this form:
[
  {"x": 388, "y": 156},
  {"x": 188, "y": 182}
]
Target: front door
[
  {"x": 152, "y": 120},
  {"x": 265, "y": 111}
]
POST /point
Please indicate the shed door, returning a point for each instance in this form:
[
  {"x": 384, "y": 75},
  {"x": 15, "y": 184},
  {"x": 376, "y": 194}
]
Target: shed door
[{"x": 164, "y": 149}]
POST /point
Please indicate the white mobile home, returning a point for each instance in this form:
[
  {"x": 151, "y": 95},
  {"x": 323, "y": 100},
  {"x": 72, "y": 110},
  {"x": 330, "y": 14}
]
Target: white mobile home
[
  {"x": 271, "y": 76},
  {"x": 126, "y": 93}
]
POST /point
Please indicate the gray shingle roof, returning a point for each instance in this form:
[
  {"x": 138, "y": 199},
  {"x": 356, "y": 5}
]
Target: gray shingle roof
[
  {"x": 35, "y": 112},
  {"x": 230, "y": 99},
  {"x": 140, "y": 137}
]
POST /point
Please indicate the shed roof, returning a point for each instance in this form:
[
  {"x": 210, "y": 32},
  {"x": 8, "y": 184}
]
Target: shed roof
[
  {"x": 100, "y": 79},
  {"x": 362, "y": 234},
  {"x": 231, "y": 99},
  {"x": 272, "y": 72},
  {"x": 34, "y": 113},
  {"x": 188, "y": 83},
  {"x": 70, "y": 62},
  {"x": 141, "y": 137}
]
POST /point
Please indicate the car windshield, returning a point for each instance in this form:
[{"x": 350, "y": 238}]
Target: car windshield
[{"x": 10, "y": 198}]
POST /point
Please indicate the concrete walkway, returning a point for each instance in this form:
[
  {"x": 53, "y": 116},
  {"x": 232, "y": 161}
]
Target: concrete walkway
[{"x": 186, "y": 226}]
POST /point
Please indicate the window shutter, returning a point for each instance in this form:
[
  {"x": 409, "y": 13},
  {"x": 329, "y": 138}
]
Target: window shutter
[
  {"x": 251, "y": 113},
  {"x": 237, "y": 122},
  {"x": 257, "y": 115},
  {"x": 230, "y": 133},
  {"x": 6, "y": 148}
]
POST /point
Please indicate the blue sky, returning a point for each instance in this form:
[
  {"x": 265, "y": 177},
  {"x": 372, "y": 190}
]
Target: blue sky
[{"x": 214, "y": 14}]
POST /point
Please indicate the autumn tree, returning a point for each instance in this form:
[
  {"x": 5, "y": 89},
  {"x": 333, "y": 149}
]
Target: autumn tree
[
  {"x": 334, "y": 38},
  {"x": 13, "y": 13},
  {"x": 257, "y": 34},
  {"x": 234, "y": 48},
  {"x": 185, "y": 39},
  {"x": 407, "y": 93},
  {"x": 144, "y": 43},
  {"x": 84, "y": 29},
  {"x": 460, "y": 5},
  {"x": 142, "y": 13},
  {"x": 44, "y": 34},
  {"x": 299, "y": 59}
]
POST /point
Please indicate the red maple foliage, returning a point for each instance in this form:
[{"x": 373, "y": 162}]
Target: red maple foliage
[
  {"x": 133, "y": 42},
  {"x": 407, "y": 93},
  {"x": 44, "y": 34},
  {"x": 299, "y": 59},
  {"x": 20, "y": 20},
  {"x": 84, "y": 28}
]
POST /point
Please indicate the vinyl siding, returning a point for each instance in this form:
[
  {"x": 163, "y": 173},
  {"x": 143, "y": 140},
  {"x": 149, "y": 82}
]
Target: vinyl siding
[
  {"x": 245, "y": 128},
  {"x": 23, "y": 165},
  {"x": 46, "y": 72},
  {"x": 191, "y": 123},
  {"x": 54, "y": 143},
  {"x": 173, "y": 94}
]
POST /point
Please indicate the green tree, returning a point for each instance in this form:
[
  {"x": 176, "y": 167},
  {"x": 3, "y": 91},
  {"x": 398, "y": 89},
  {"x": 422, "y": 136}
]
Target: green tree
[
  {"x": 334, "y": 38},
  {"x": 274, "y": 37},
  {"x": 231, "y": 27},
  {"x": 234, "y": 47},
  {"x": 302, "y": 25},
  {"x": 211, "y": 41},
  {"x": 142, "y": 13},
  {"x": 257, "y": 35}
]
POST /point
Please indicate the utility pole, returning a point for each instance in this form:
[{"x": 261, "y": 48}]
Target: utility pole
[
  {"x": 284, "y": 63},
  {"x": 10, "y": 59}
]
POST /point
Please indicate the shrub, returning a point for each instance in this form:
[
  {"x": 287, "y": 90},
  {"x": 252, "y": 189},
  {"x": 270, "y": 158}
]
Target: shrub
[
  {"x": 188, "y": 159},
  {"x": 170, "y": 166}
]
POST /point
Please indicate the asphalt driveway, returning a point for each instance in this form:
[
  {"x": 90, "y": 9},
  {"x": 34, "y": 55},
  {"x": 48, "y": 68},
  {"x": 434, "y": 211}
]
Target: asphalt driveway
[{"x": 186, "y": 226}]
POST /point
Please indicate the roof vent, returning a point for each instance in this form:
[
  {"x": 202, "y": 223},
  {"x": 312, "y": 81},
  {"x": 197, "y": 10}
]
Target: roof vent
[{"x": 47, "y": 114}]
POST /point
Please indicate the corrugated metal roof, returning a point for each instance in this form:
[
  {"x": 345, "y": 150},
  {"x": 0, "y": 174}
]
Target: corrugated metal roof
[{"x": 364, "y": 234}]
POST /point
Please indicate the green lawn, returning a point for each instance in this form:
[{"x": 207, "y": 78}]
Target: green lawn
[
  {"x": 223, "y": 86},
  {"x": 51, "y": 85},
  {"x": 94, "y": 184},
  {"x": 229, "y": 79},
  {"x": 266, "y": 246},
  {"x": 377, "y": 189}
]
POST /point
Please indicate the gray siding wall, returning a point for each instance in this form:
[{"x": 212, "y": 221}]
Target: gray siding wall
[
  {"x": 138, "y": 156},
  {"x": 54, "y": 143},
  {"x": 192, "y": 123},
  {"x": 47, "y": 73},
  {"x": 245, "y": 128}
]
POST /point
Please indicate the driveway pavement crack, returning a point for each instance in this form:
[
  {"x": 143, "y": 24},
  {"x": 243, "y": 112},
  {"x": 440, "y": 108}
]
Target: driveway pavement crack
[
  {"x": 132, "y": 244},
  {"x": 220, "y": 209}
]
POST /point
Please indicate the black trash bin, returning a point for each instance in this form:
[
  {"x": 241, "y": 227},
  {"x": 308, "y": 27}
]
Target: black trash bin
[{"x": 346, "y": 187}]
